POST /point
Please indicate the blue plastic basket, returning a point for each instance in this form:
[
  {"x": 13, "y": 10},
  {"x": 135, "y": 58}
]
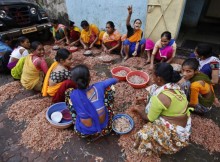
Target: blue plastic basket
[
  {"x": 58, "y": 107},
  {"x": 126, "y": 116}
]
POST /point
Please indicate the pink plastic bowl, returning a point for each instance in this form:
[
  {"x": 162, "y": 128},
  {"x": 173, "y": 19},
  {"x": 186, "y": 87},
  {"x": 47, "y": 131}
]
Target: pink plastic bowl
[
  {"x": 117, "y": 69},
  {"x": 142, "y": 74}
]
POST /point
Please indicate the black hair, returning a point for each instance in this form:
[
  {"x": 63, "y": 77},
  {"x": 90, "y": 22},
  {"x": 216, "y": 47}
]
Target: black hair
[
  {"x": 71, "y": 23},
  {"x": 137, "y": 20},
  {"x": 5, "y": 38},
  {"x": 54, "y": 21},
  {"x": 63, "y": 54},
  {"x": 35, "y": 44},
  {"x": 204, "y": 50},
  {"x": 21, "y": 40},
  {"x": 192, "y": 63},
  {"x": 112, "y": 25},
  {"x": 84, "y": 23},
  {"x": 165, "y": 71},
  {"x": 166, "y": 34},
  {"x": 81, "y": 76}
]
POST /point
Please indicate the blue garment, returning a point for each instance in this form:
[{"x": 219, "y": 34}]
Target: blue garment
[
  {"x": 4, "y": 47},
  {"x": 88, "y": 109},
  {"x": 133, "y": 44},
  {"x": 204, "y": 68}
]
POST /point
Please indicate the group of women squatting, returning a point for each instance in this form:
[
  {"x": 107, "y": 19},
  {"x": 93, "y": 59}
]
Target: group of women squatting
[{"x": 171, "y": 98}]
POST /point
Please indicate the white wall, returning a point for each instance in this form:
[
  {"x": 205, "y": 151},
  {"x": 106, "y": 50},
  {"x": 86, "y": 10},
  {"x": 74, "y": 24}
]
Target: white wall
[{"x": 101, "y": 11}]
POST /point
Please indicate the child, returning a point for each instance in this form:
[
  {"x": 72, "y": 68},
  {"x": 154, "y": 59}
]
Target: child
[
  {"x": 163, "y": 50},
  {"x": 133, "y": 45},
  {"x": 201, "y": 93}
]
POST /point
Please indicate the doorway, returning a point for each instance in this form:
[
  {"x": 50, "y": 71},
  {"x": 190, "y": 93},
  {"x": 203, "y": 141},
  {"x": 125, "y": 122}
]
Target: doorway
[{"x": 200, "y": 24}]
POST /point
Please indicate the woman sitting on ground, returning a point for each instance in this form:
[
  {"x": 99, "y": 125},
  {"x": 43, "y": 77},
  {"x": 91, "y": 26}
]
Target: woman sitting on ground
[
  {"x": 90, "y": 35},
  {"x": 35, "y": 68},
  {"x": 111, "y": 41},
  {"x": 74, "y": 34},
  {"x": 91, "y": 104},
  {"x": 164, "y": 50},
  {"x": 19, "y": 52},
  {"x": 59, "y": 32},
  {"x": 58, "y": 76},
  {"x": 209, "y": 64},
  {"x": 197, "y": 86},
  {"x": 134, "y": 44},
  {"x": 169, "y": 122}
]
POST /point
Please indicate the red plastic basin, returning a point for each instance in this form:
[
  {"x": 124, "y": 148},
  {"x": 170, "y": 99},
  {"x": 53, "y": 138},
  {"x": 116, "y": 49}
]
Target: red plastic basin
[
  {"x": 141, "y": 74},
  {"x": 117, "y": 69}
]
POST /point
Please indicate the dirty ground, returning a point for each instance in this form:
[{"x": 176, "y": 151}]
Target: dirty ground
[{"x": 76, "y": 149}]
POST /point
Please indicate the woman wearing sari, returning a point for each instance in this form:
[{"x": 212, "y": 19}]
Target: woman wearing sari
[
  {"x": 133, "y": 44},
  {"x": 90, "y": 105},
  {"x": 57, "y": 79},
  {"x": 90, "y": 35},
  {"x": 111, "y": 41},
  {"x": 163, "y": 50},
  {"x": 168, "y": 119},
  {"x": 59, "y": 32},
  {"x": 198, "y": 87},
  {"x": 74, "y": 34},
  {"x": 20, "y": 51},
  {"x": 209, "y": 64},
  {"x": 34, "y": 68}
]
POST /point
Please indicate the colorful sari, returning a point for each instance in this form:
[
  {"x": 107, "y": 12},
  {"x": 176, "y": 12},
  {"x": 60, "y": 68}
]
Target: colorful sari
[
  {"x": 160, "y": 136},
  {"x": 30, "y": 75},
  {"x": 74, "y": 33},
  {"x": 58, "y": 90},
  {"x": 164, "y": 52},
  {"x": 17, "y": 70},
  {"x": 58, "y": 32},
  {"x": 204, "y": 104},
  {"x": 99, "y": 132},
  {"x": 111, "y": 40},
  {"x": 89, "y": 36}
]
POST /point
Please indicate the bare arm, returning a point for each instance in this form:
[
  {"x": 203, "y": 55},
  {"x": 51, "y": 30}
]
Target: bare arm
[
  {"x": 215, "y": 76},
  {"x": 129, "y": 16}
]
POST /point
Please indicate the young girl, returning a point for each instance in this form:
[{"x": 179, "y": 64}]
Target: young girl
[
  {"x": 133, "y": 45},
  {"x": 201, "y": 93},
  {"x": 209, "y": 64},
  {"x": 35, "y": 68},
  {"x": 89, "y": 103},
  {"x": 19, "y": 52},
  {"x": 57, "y": 79},
  {"x": 163, "y": 50}
]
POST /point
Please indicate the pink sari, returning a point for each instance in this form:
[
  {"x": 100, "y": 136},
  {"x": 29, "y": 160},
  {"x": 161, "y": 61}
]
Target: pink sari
[{"x": 164, "y": 52}]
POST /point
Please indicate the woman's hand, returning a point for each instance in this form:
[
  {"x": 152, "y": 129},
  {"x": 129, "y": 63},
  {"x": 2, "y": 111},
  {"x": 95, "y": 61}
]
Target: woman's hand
[{"x": 129, "y": 10}]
